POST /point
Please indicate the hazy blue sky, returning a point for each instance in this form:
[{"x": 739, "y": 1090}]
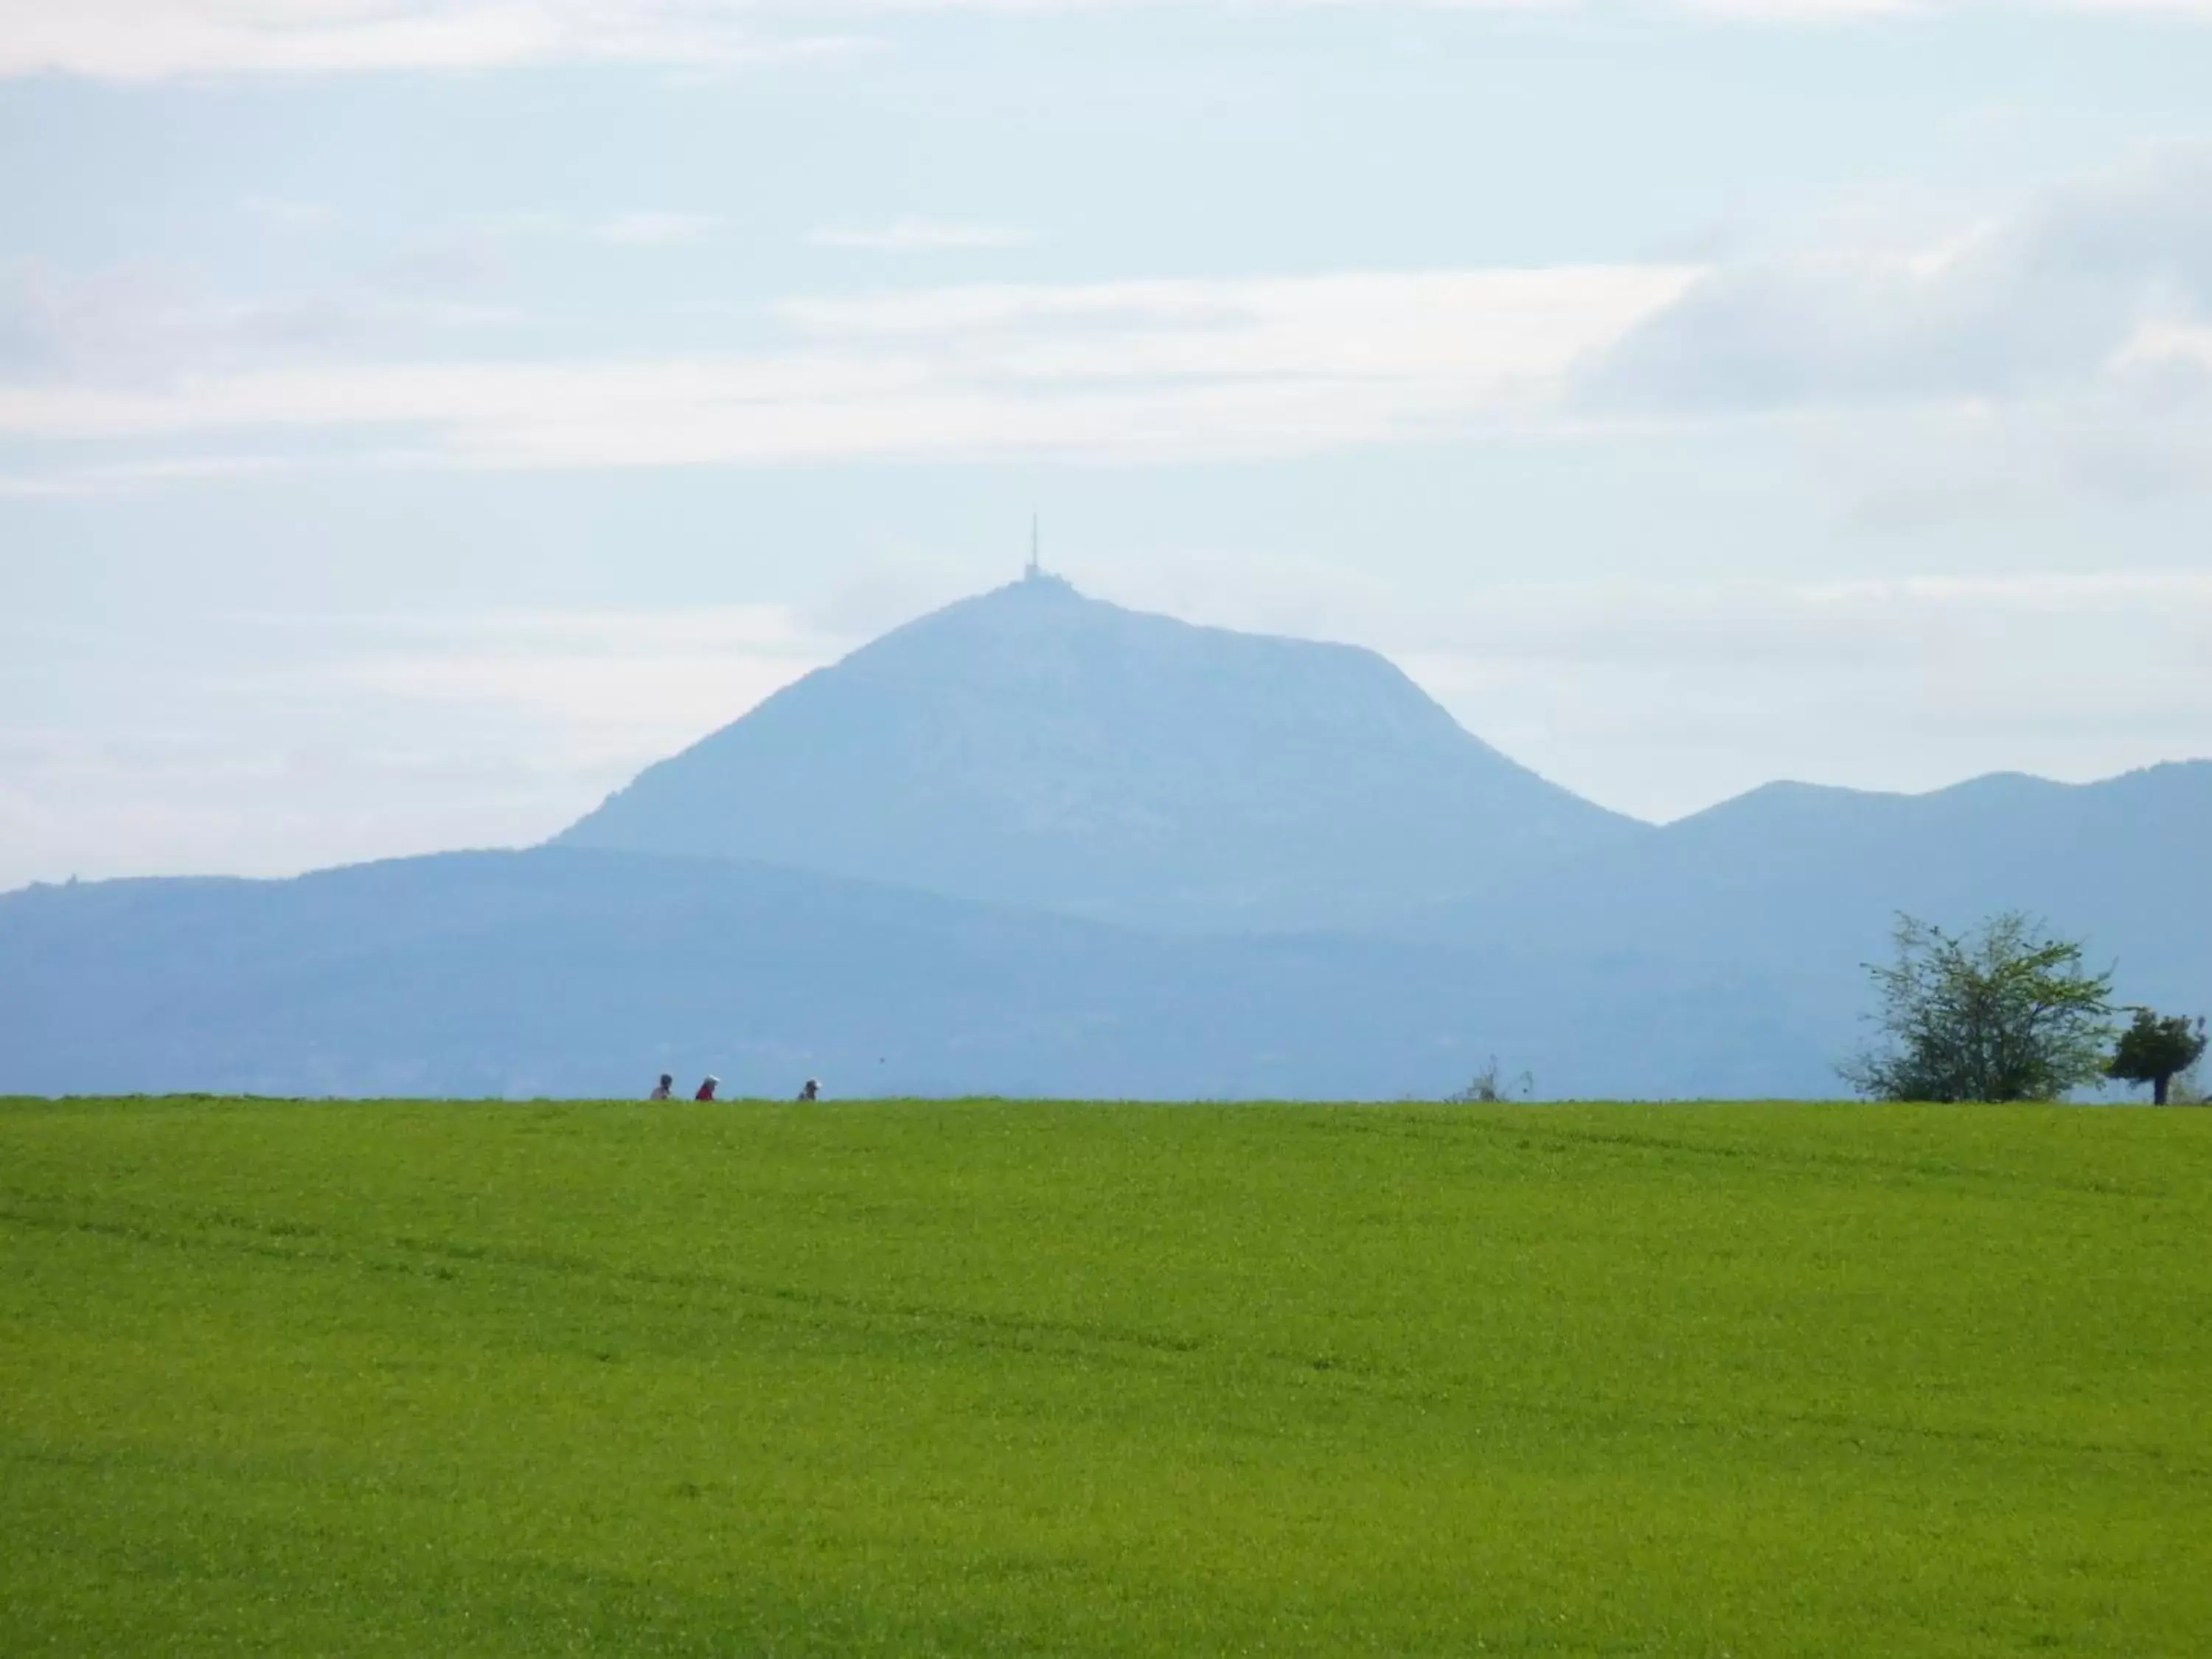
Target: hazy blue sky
[{"x": 416, "y": 416}]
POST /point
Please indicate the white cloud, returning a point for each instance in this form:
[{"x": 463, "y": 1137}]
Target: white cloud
[
  {"x": 146, "y": 40},
  {"x": 655, "y": 229},
  {"x": 140, "y": 324},
  {"x": 2061, "y": 343},
  {"x": 118, "y": 476},
  {"x": 149, "y": 39},
  {"x": 315, "y": 739},
  {"x": 604, "y": 687},
  {"x": 1160, "y": 370},
  {"x": 2061, "y": 350},
  {"x": 919, "y": 236},
  {"x": 288, "y": 214},
  {"x": 639, "y": 228},
  {"x": 2158, "y": 346},
  {"x": 1661, "y": 698},
  {"x": 2050, "y": 300}
]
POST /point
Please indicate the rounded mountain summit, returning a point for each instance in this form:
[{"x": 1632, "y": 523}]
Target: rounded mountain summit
[{"x": 1033, "y": 747}]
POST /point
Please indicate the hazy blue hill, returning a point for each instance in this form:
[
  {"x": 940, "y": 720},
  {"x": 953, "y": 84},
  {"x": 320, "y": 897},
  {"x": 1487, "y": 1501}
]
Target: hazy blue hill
[
  {"x": 1799, "y": 884},
  {"x": 2122, "y": 857},
  {"x": 1032, "y": 747},
  {"x": 573, "y": 972},
  {"x": 1719, "y": 956},
  {"x": 480, "y": 972}
]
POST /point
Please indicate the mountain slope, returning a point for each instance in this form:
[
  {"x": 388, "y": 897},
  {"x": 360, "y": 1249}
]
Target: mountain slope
[{"x": 1031, "y": 746}]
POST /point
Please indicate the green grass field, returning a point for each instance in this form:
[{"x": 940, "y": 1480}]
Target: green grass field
[{"x": 983, "y": 1379}]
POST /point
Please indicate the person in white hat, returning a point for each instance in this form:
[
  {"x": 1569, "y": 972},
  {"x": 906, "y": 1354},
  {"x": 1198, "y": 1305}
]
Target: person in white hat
[{"x": 707, "y": 1089}]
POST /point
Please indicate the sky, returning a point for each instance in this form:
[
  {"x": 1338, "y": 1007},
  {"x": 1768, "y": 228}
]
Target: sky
[{"x": 416, "y": 416}]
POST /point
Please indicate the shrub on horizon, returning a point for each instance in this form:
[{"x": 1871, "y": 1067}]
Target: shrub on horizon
[{"x": 1999, "y": 1014}]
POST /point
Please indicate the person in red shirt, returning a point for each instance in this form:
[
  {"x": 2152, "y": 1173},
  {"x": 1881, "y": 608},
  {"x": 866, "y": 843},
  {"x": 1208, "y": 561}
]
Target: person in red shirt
[{"x": 707, "y": 1089}]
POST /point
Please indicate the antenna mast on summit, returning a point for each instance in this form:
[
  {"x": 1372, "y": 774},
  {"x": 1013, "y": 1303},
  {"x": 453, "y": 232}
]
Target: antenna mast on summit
[{"x": 1033, "y": 569}]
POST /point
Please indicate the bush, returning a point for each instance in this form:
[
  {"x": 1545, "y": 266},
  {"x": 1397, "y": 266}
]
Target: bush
[{"x": 1999, "y": 1014}]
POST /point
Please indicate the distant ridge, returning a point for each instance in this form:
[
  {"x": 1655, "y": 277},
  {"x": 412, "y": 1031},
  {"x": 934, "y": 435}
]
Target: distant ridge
[
  {"x": 1718, "y": 957},
  {"x": 1798, "y": 885},
  {"x": 1033, "y": 746}
]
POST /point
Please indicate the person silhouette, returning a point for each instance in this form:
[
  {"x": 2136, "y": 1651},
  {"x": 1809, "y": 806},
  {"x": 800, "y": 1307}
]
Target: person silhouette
[
  {"x": 707, "y": 1089},
  {"x": 661, "y": 1089},
  {"x": 811, "y": 1092}
]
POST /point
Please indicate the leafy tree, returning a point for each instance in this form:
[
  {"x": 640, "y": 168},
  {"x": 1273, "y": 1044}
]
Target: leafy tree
[
  {"x": 2155, "y": 1048},
  {"x": 2001, "y": 1013}
]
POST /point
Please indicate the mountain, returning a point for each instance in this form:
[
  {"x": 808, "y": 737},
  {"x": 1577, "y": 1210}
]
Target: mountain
[
  {"x": 1799, "y": 885},
  {"x": 918, "y": 871},
  {"x": 1031, "y": 746},
  {"x": 574, "y": 972}
]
